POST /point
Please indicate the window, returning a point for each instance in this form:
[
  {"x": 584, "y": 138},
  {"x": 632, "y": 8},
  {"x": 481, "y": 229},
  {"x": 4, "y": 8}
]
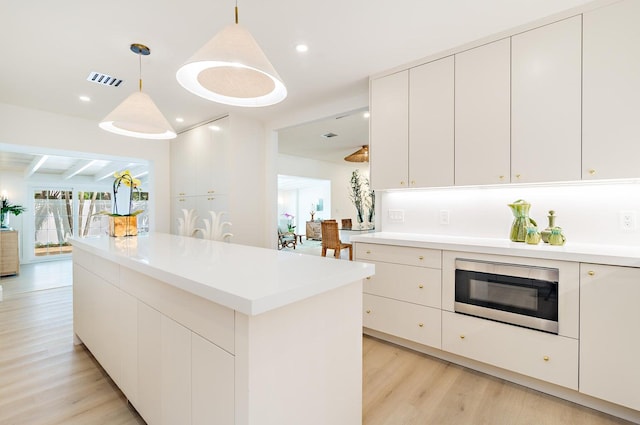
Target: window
[{"x": 53, "y": 211}]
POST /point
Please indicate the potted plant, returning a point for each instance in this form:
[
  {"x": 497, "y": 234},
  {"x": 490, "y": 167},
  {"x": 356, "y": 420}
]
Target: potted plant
[
  {"x": 7, "y": 208},
  {"x": 124, "y": 223}
]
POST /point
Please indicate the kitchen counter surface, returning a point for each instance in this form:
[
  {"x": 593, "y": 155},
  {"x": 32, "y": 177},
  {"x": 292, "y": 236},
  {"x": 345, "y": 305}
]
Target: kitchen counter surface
[
  {"x": 247, "y": 279},
  {"x": 585, "y": 253}
]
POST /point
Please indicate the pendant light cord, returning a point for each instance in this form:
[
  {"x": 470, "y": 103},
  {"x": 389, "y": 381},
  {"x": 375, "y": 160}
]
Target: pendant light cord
[
  {"x": 140, "y": 70},
  {"x": 236, "y": 11}
]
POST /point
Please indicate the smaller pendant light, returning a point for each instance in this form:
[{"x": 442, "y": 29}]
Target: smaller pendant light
[
  {"x": 137, "y": 116},
  {"x": 361, "y": 155},
  {"x": 233, "y": 70}
]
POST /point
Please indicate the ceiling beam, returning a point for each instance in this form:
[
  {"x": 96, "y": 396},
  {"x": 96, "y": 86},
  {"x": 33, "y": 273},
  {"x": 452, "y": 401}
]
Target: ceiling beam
[
  {"x": 36, "y": 163},
  {"x": 78, "y": 168},
  {"x": 110, "y": 169}
]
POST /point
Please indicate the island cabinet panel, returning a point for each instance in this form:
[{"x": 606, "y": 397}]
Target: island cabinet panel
[
  {"x": 96, "y": 324},
  {"x": 611, "y": 73},
  {"x": 483, "y": 114},
  {"x": 213, "y": 375},
  {"x": 541, "y": 355},
  {"x": 431, "y": 124},
  {"x": 609, "y": 344},
  {"x": 546, "y": 65},
  {"x": 389, "y": 131}
]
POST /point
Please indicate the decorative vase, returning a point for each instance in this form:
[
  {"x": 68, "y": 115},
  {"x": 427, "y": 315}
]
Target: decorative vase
[
  {"x": 533, "y": 237},
  {"x": 556, "y": 237},
  {"x": 552, "y": 223},
  {"x": 521, "y": 220},
  {"x": 126, "y": 225},
  {"x": 4, "y": 220}
]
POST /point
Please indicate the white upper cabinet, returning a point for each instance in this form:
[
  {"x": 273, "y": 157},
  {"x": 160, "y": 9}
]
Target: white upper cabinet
[
  {"x": 200, "y": 160},
  {"x": 546, "y": 103},
  {"x": 611, "y": 124},
  {"x": 483, "y": 114},
  {"x": 389, "y": 107},
  {"x": 431, "y": 128}
]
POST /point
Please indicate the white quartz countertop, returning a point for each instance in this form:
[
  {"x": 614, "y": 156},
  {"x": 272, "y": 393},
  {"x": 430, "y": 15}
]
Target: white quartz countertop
[
  {"x": 244, "y": 278},
  {"x": 584, "y": 253}
]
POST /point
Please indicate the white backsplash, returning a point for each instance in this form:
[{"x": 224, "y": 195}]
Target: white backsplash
[{"x": 587, "y": 212}]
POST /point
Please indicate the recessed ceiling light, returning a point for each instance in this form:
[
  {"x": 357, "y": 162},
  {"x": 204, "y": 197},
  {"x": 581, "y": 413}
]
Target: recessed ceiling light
[
  {"x": 302, "y": 48},
  {"x": 84, "y": 98},
  {"x": 214, "y": 128},
  {"x": 179, "y": 119},
  {"x": 366, "y": 114}
]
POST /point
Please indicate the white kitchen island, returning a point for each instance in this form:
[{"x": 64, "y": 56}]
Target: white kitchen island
[{"x": 202, "y": 332}]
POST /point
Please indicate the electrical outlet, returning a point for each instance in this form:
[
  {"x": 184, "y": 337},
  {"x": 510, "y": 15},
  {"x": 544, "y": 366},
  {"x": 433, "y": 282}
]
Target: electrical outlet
[
  {"x": 444, "y": 216},
  {"x": 396, "y": 216},
  {"x": 628, "y": 221}
]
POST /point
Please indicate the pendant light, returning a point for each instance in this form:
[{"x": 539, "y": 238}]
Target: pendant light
[
  {"x": 137, "y": 116},
  {"x": 361, "y": 155},
  {"x": 233, "y": 70}
]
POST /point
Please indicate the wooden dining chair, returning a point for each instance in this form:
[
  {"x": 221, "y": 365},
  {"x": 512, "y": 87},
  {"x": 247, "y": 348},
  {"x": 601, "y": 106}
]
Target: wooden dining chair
[
  {"x": 346, "y": 224},
  {"x": 331, "y": 240}
]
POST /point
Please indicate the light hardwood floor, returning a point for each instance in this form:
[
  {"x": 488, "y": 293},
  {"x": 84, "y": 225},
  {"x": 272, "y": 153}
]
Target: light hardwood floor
[{"x": 45, "y": 380}]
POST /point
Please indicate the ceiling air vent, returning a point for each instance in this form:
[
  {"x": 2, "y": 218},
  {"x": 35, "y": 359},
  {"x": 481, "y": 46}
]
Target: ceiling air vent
[
  {"x": 103, "y": 79},
  {"x": 329, "y": 135}
]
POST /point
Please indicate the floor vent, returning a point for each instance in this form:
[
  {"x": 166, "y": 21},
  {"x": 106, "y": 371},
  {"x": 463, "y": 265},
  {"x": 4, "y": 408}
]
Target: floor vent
[{"x": 103, "y": 79}]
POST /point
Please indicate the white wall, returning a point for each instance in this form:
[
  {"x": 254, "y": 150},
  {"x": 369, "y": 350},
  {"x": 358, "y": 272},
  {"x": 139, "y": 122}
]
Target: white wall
[
  {"x": 339, "y": 175},
  {"x": 247, "y": 198},
  {"x": 44, "y": 130},
  {"x": 587, "y": 212}
]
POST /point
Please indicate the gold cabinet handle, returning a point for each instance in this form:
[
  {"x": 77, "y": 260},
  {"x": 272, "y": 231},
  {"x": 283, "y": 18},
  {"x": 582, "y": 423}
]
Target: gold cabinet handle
[
  {"x": 517, "y": 176},
  {"x": 545, "y": 358},
  {"x": 413, "y": 182},
  {"x": 461, "y": 336},
  {"x": 211, "y": 191},
  {"x": 368, "y": 311},
  {"x": 421, "y": 257},
  {"x": 421, "y": 324},
  {"x": 211, "y": 198},
  {"x": 402, "y": 183},
  {"x": 181, "y": 193},
  {"x": 421, "y": 286},
  {"x": 501, "y": 178},
  {"x": 591, "y": 273},
  {"x": 592, "y": 171},
  {"x": 368, "y": 277},
  {"x": 368, "y": 252}
]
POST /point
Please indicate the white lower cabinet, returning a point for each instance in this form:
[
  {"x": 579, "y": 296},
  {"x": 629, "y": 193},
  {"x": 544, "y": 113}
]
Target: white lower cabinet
[
  {"x": 403, "y": 297},
  {"x": 609, "y": 347},
  {"x": 406, "y": 320},
  {"x": 212, "y": 378},
  {"x": 541, "y": 355}
]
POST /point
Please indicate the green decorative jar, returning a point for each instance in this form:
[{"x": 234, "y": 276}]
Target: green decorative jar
[
  {"x": 556, "y": 237},
  {"x": 533, "y": 236}
]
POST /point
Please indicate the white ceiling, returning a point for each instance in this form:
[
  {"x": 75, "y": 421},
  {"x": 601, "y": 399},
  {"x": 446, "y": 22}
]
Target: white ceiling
[{"x": 49, "y": 48}]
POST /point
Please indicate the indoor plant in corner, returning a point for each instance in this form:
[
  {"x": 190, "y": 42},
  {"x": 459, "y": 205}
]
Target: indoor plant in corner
[
  {"x": 124, "y": 223},
  {"x": 7, "y": 208}
]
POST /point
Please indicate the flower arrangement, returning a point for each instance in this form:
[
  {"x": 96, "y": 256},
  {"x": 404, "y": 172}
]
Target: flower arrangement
[
  {"x": 291, "y": 228},
  {"x": 124, "y": 177},
  {"x": 7, "y": 208},
  {"x": 123, "y": 223}
]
